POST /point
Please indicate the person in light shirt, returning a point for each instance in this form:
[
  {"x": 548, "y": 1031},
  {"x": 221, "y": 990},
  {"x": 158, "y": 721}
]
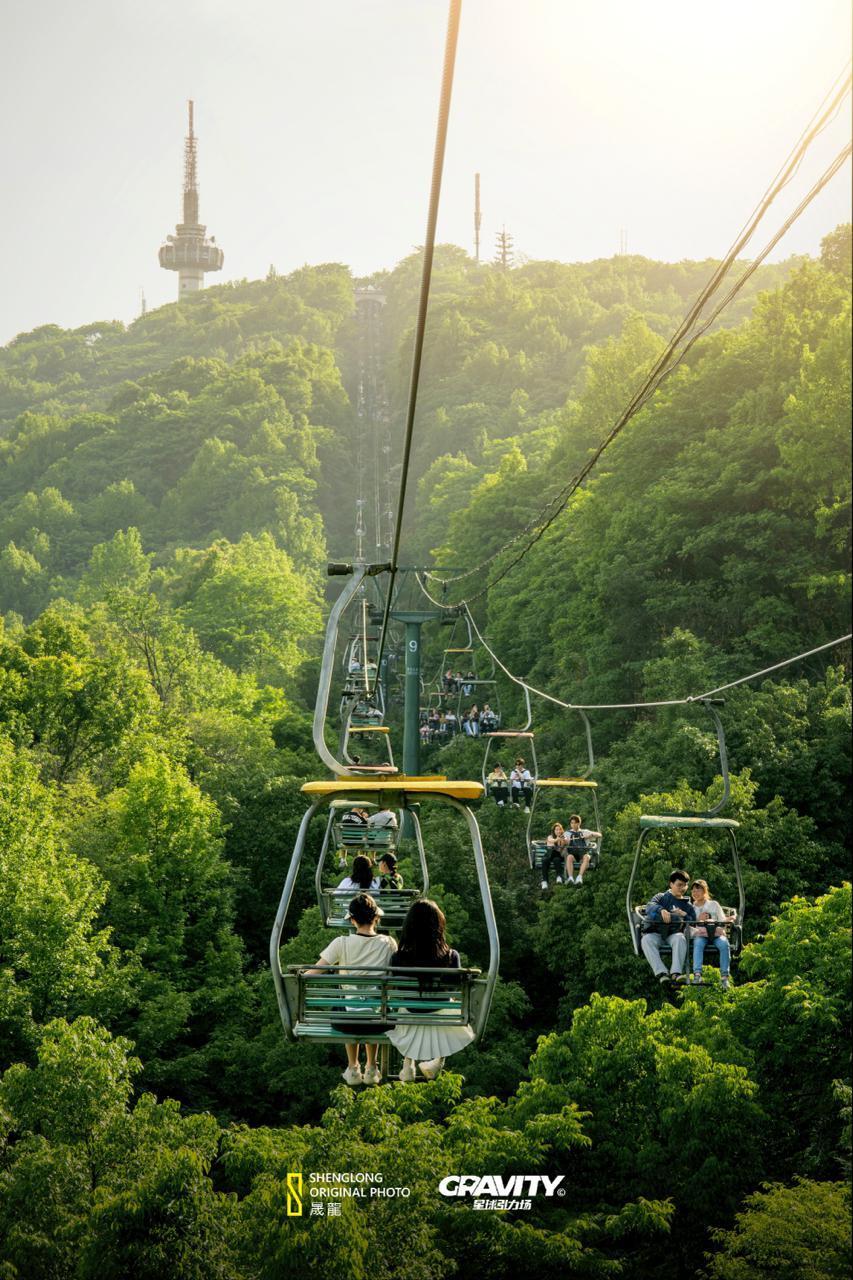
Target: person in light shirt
[
  {"x": 521, "y": 785},
  {"x": 348, "y": 951},
  {"x": 709, "y": 928},
  {"x": 577, "y": 846}
]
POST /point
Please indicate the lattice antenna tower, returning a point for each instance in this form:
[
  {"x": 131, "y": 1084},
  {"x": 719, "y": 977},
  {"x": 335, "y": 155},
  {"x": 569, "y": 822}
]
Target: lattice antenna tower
[{"x": 503, "y": 249}]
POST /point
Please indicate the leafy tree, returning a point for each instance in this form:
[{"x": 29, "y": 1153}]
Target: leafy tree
[{"x": 786, "y": 1233}]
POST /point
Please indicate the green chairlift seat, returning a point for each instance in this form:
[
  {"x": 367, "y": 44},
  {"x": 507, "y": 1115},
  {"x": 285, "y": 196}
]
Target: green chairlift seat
[{"x": 335, "y": 1005}]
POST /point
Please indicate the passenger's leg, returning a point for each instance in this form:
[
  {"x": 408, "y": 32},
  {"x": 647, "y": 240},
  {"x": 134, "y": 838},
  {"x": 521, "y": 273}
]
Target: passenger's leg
[
  {"x": 699, "y": 954},
  {"x": 678, "y": 942},
  {"x": 352, "y": 1053},
  {"x": 722, "y": 945},
  {"x": 651, "y": 944}
]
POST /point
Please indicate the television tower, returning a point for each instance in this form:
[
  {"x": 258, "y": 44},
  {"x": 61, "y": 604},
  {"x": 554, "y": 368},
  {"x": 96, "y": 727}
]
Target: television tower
[{"x": 189, "y": 251}]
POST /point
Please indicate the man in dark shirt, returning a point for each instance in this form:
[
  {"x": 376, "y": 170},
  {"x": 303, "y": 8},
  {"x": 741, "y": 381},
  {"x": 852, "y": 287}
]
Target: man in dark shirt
[{"x": 664, "y": 922}]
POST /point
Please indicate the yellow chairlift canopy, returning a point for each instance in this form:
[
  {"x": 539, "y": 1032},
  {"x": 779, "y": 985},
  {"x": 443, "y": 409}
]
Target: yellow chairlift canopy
[{"x": 420, "y": 786}]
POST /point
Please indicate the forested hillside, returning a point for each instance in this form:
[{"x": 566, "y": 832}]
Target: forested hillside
[{"x": 170, "y": 493}]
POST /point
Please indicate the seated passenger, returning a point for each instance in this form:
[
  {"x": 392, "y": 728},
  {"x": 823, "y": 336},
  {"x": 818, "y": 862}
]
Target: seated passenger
[
  {"x": 363, "y": 947},
  {"x": 576, "y": 846},
  {"x": 488, "y": 719},
  {"x": 423, "y": 946},
  {"x": 361, "y": 877},
  {"x": 383, "y": 818},
  {"x": 521, "y": 785},
  {"x": 474, "y": 722},
  {"x": 389, "y": 876},
  {"x": 424, "y": 731},
  {"x": 664, "y": 922},
  {"x": 451, "y": 722},
  {"x": 468, "y": 684},
  {"x": 497, "y": 785},
  {"x": 709, "y": 927},
  {"x": 556, "y": 854},
  {"x": 355, "y": 817}
]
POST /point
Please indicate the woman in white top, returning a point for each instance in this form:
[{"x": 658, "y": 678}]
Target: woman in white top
[
  {"x": 709, "y": 927},
  {"x": 521, "y": 784},
  {"x": 364, "y": 947},
  {"x": 361, "y": 878}
]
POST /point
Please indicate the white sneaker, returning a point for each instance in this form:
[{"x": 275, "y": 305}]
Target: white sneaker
[
  {"x": 408, "y": 1071},
  {"x": 559, "y": 880},
  {"x": 578, "y": 879},
  {"x": 544, "y": 884},
  {"x": 432, "y": 1068},
  {"x": 570, "y": 879},
  {"x": 526, "y": 808},
  {"x": 353, "y": 1075},
  {"x": 372, "y": 1075}
]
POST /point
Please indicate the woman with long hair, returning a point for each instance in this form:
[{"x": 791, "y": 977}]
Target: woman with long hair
[
  {"x": 361, "y": 877},
  {"x": 709, "y": 927},
  {"x": 424, "y": 946}
]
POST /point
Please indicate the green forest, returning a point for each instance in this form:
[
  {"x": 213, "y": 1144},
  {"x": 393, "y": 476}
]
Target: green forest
[{"x": 170, "y": 494}]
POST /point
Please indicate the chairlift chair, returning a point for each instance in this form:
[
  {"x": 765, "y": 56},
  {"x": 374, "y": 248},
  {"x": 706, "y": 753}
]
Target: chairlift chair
[
  {"x": 311, "y": 1004},
  {"x": 516, "y": 738},
  {"x": 353, "y": 838},
  {"x": 537, "y": 848},
  {"x": 689, "y": 820}
]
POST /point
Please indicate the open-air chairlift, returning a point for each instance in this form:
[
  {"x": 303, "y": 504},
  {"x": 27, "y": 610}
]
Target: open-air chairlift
[
  {"x": 348, "y": 838},
  {"x": 310, "y": 1004},
  {"x": 515, "y": 738},
  {"x": 690, "y": 820},
  {"x": 583, "y": 786},
  {"x": 314, "y": 1005}
]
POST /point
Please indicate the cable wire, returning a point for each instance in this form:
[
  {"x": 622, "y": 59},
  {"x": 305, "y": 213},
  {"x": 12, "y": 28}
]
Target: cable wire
[
  {"x": 631, "y": 706},
  {"x": 451, "y": 41},
  {"x": 670, "y": 358}
]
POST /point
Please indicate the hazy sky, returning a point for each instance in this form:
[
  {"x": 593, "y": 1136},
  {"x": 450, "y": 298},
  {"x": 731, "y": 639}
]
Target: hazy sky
[{"x": 316, "y": 122}]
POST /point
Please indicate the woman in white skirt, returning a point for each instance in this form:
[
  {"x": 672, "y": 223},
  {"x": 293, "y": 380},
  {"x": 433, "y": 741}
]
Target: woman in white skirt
[{"x": 423, "y": 946}]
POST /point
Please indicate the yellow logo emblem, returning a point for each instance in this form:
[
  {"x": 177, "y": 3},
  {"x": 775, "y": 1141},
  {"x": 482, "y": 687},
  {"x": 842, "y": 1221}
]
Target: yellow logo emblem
[{"x": 294, "y": 1195}]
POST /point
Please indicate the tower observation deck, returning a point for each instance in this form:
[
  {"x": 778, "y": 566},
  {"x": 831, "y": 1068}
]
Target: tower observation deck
[{"x": 189, "y": 251}]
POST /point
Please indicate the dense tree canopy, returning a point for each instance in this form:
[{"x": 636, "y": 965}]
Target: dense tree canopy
[{"x": 169, "y": 493}]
